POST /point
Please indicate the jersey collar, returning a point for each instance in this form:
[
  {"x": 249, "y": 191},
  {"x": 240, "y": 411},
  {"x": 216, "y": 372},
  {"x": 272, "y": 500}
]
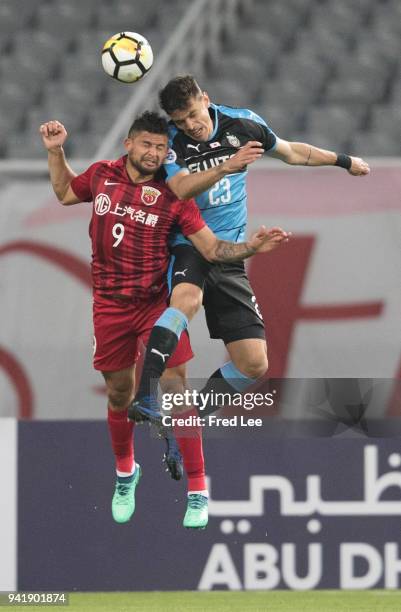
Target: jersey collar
[{"x": 215, "y": 119}]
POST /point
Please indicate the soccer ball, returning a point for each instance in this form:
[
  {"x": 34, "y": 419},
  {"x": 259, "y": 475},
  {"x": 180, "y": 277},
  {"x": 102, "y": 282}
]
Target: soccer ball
[{"x": 127, "y": 57}]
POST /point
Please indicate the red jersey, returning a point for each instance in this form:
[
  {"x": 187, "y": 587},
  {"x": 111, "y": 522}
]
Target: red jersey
[{"x": 129, "y": 228}]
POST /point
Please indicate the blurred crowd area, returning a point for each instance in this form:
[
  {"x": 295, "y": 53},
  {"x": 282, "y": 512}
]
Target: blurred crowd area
[{"x": 320, "y": 71}]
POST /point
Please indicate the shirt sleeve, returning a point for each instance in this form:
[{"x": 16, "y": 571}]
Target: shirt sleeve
[
  {"x": 82, "y": 184},
  {"x": 259, "y": 130},
  {"x": 190, "y": 219},
  {"x": 174, "y": 161}
]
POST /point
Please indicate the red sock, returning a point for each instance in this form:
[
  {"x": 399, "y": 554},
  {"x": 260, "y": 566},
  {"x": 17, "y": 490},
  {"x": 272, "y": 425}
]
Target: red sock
[
  {"x": 122, "y": 441},
  {"x": 189, "y": 439}
]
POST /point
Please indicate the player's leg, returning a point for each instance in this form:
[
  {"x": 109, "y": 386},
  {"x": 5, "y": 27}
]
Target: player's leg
[
  {"x": 189, "y": 438},
  {"x": 147, "y": 408},
  {"x": 188, "y": 273},
  {"x": 174, "y": 381},
  {"x": 120, "y": 387},
  {"x": 233, "y": 315},
  {"x": 249, "y": 357},
  {"x": 114, "y": 355},
  {"x": 120, "y": 390},
  {"x": 237, "y": 375},
  {"x": 185, "y": 301}
]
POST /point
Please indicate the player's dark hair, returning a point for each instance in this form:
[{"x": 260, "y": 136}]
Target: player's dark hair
[
  {"x": 151, "y": 122},
  {"x": 177, "y": 93}
]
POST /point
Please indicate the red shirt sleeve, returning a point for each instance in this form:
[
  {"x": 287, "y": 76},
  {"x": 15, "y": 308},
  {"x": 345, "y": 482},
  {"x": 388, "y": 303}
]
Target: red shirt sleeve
[
  {"x": 190, "y": 219},
  {"x": 82, "y": 184}
]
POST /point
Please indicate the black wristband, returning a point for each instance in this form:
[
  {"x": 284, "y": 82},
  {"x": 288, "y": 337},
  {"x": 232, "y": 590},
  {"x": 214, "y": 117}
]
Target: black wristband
[{"x": 344, "y": 161}]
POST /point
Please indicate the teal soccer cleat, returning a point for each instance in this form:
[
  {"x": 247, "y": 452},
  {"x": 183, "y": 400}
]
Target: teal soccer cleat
[
  {"x": 196, "y": 516},
  {"x": 123, "y": 502}
]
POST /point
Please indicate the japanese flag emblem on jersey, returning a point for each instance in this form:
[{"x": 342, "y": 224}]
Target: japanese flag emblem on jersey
[{"x": 149, "y": 195}]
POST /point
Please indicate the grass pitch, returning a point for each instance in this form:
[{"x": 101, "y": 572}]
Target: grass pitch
[{"x": 225, "y": 601}]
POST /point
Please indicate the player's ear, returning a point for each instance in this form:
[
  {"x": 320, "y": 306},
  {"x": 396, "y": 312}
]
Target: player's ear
[
  {"x": 127, "y": 143},
  {"x": 206, "y": 98}
]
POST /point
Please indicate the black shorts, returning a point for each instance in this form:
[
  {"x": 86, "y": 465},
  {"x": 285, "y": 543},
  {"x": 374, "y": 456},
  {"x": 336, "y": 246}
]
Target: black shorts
[{"x": 230, "y": 305}]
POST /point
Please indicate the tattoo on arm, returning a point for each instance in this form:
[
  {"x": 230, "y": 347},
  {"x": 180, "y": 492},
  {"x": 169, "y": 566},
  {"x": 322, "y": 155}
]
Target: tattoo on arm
[{"x": 232, "y": 251}]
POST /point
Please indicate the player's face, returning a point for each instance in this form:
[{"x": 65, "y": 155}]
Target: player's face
[
  {"x": 195, "y": 120},
  {"x": 146, "y": 151}
]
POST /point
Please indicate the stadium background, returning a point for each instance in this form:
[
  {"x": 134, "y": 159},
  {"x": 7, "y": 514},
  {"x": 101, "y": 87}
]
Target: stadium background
[{"x": 317, "y": 71}]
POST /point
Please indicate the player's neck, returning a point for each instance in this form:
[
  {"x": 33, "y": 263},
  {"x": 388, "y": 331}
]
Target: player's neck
[{"x": 136, "y": 176}]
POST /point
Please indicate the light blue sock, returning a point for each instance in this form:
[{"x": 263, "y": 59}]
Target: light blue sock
[
  {"x": 235, "y": 378},
  {"x": 174, "y": 320}
]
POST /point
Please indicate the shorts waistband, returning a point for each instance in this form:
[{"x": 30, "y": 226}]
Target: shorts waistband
[
  {"x": 118, "y": 296},
  {"x": 128, "y": 299}
]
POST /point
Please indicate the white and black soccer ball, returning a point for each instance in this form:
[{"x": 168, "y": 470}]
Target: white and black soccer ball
[{"x": 127, "y": 57}]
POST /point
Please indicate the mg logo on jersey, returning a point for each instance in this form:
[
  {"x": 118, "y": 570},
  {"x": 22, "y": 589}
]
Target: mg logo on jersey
[
  {"x": 102, "y": 204},
  {"x": 149, "y": 195}
]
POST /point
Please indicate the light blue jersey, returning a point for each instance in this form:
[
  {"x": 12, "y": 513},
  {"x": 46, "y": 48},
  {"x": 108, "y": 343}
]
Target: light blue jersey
[{"x": 224, "y": 205}]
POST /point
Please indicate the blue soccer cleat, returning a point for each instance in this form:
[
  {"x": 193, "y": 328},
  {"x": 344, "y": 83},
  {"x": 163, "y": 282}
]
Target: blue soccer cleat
[
  {"x": 172, "y": 457},
  {"x": 145, "y": 409}
]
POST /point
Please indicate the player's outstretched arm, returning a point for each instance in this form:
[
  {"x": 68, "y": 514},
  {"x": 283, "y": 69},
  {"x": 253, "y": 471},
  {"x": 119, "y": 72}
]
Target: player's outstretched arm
[
  {"x": 54, "y": 135},
  {"x": 215, "y": 250},
  {"x": 302, "y": 154},
  {"x": 186, "y": 186}
]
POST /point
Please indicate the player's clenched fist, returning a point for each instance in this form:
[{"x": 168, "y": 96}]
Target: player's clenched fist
[
  {"x": 358, "y": 167},
  {"x": 53, "y": 134},
  {"x": 268, "y": 239},
  {"x": 246, "y": 155}
]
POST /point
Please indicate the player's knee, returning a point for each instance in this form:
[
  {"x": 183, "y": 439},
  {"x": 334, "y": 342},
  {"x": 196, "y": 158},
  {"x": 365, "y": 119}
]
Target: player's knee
[
  {"x": 255, "y": 367},
  {"x": 119, "y": 396},
  {"x": 187, "y": 298}
]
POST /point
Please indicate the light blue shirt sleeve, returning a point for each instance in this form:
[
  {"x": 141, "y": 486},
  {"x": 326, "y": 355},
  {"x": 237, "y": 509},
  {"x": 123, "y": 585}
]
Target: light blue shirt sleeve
[{"x": 173, "y": 164}]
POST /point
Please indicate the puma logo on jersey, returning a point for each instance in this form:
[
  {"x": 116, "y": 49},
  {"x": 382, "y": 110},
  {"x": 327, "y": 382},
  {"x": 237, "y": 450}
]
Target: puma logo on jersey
[
  {"x": 162, "y": 355},
  {"x": 182, "y": 272},
  {"x": 107, "y": 182},
  {"x": 194, "y": 147}
]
